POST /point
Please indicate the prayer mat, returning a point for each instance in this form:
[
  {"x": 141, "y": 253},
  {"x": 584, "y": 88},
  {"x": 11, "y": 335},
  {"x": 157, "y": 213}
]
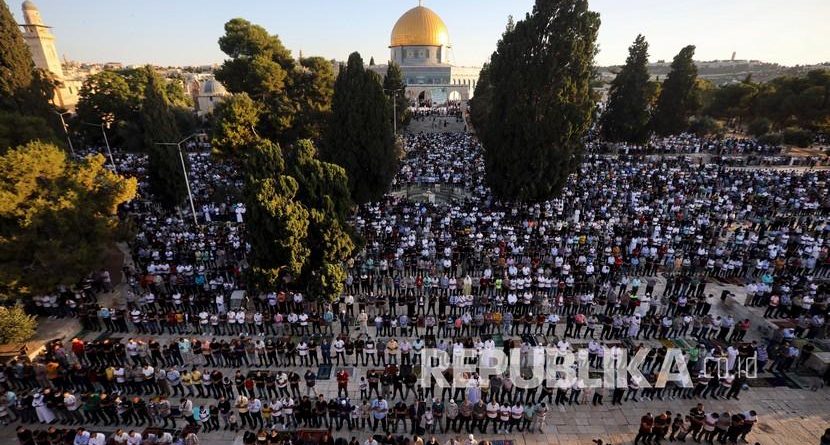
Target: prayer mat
[
  {"x": 667, "y": 343},
  {"x": 324, "y": 372},
  {"x": 498, "y": 340}
]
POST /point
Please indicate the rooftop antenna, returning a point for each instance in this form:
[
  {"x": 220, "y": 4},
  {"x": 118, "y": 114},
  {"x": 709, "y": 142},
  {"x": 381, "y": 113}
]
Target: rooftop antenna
[{"x": 420, "y": 2}]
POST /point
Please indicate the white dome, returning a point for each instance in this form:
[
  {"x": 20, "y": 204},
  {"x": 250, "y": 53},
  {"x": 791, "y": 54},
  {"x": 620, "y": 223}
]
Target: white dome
[{"x": 212, "y": 87}]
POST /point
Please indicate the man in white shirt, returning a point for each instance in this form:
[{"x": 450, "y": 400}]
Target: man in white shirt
[
  {"x": 134, "y": 438},
  {"x": 97, "y": 439}
]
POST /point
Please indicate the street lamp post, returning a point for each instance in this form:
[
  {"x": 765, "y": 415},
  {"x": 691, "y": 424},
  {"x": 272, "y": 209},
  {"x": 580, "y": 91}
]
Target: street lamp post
[
  {"x": 394, "y": 108},
  {"x": 178, "y": 146},
  {"x": 106, "y": 142},
  {"x": 66, "y": 131}
]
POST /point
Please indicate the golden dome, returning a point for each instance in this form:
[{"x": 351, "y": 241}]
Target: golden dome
[{"x": 420, "y": 26}]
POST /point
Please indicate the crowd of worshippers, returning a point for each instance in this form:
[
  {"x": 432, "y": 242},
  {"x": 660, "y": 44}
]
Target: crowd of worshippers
[
  {"x": 449, "y": 275},
  {"x": 688, "y": 143},
  {"x": 698, "y": 425}
]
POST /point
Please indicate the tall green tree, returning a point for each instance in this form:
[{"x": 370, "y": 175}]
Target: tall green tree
[
  {"x": 312, "y": 90},
  {"x": 679, "y": 99},
  {"x": 324, "y": 190},
  {"x": 395, "y": 88},
  {"x": 626, "y": 118},
  {"x": 234, "y": 125},
  {"x": 261, "y": 66},
  {"x": 116, "y": 97},
  {"x": 25, "y": 92},
  {"x": 360, "y": 132},
  {"x": 106, "y": 97},
  {"x": 277, "y": 223},
  {"x": 16, "y": 66},
  {"x": 167, "y": 182},
  {"x": 56, "y": 217},
  {"x": 541, "y": 104},
  {"x": 482, "y": 100}
]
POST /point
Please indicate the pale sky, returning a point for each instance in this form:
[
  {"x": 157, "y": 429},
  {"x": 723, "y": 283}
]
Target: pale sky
[{"x": 185, "y": 32}]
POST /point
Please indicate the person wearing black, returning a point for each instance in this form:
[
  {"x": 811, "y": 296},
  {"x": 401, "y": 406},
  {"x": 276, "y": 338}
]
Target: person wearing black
[
  {"x": 399, "y": 413},
  {"x": 320, "y": 410},
  {"x": 397, "y": 388}
]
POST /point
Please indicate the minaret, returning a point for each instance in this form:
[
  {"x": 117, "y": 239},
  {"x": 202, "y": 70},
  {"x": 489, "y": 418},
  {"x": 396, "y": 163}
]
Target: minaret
[{"x": 41, "y": 41}]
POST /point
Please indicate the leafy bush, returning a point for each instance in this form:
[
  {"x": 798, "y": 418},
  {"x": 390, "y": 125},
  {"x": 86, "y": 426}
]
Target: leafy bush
[
  {"x": 772, "y": 139},
  {"x": 16, "y": 326},
  {"x": 798, "y": 137},
  {"x": 759, "y": 127},
  {"x": 704, "y": 126}
]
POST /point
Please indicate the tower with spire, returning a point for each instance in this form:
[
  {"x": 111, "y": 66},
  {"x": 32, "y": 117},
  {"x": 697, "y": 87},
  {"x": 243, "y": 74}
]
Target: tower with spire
[{"x": 41, "y": 44}]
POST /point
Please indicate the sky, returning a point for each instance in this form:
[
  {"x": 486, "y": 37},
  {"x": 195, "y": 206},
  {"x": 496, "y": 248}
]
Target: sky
[{"x": 185, "y": 32}]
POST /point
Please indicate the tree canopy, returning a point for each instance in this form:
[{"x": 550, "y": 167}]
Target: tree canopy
[
  {"x": 167, "y": 182},
  {"x": 395, "y": 88},
  {"x": 115, "y": 98},
  {"x": 295, "y": 97},
  {"x": 540, "y": 105},
  {"x": 359, "y": 135},
  {"x": 235, "y": 120},
  {"x": 627, "y": 115},
  {"x": 56, "y": 217},
  {"x": 25, "y": 91},
  {"x": 679, "y": 99}
]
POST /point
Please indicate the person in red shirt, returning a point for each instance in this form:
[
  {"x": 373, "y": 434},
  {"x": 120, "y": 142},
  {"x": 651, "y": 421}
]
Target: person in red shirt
[
  {"x": 79, "y": 349},
  {"x": 646, "y": 424},
  {"x": 342, "y": 383}
]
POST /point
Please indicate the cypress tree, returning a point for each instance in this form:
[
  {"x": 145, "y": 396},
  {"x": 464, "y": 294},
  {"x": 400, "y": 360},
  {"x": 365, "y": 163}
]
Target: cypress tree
[
  {"x": 626, "y": 119},
  {"x": 541, "y": 105},
  {"x": 395, "y": 88},
  {"x": 277, "y": 223},
  {"x": 678, "y": 98},
  {"x": 167, "y": 181},
  {"x": 16, "y": 66},
  {"x": 360, "y": 132}
]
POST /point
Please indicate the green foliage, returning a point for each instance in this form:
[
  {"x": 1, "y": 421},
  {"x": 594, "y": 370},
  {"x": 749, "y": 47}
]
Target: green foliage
[
  {"x": 784, "y": 101},
  {"x": 297, "y": 205},
  {"x": 277, "y": 223},
  {"x": 772, "y": 139},
  {"x": 16, "y": 66},
  {"x": 235, "y": 120},
  {"x": 295, "y": 98},
  {"x": 324, "y": 189},
  {"x": 105, "y": 97},
  {"x": 18, "y": 129},
  {"x": 540, "y": 106},
  {"x": 116, "y": 98},
  {"x": 311, "y": 92},
  {"x": 16, "y": 326},
  {"x": 733, "y": 101},
  {"x": 679, "y": 98},
  {"x": 360, "y": 132},
  {"x": 296, "y": 210},
  {"x": 323, "y": 186},
  {"x": 798, "y": 137},
  {"x": 395, "y": 88},
  {"x": 56, "y": 217},
  {"x": 25, "y": 91},
  {"x": 167, "y": 182},
  {"x": 626, "y": 119},
  {"x": 798, "y": 101},
  {"x": 705, "y": 126},
  {"x": 482, "y": 99},
  {"x": 759, "y": 127}
]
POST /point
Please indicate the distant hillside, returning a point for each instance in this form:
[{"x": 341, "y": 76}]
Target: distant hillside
[{"x": 725, "y": 71}]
